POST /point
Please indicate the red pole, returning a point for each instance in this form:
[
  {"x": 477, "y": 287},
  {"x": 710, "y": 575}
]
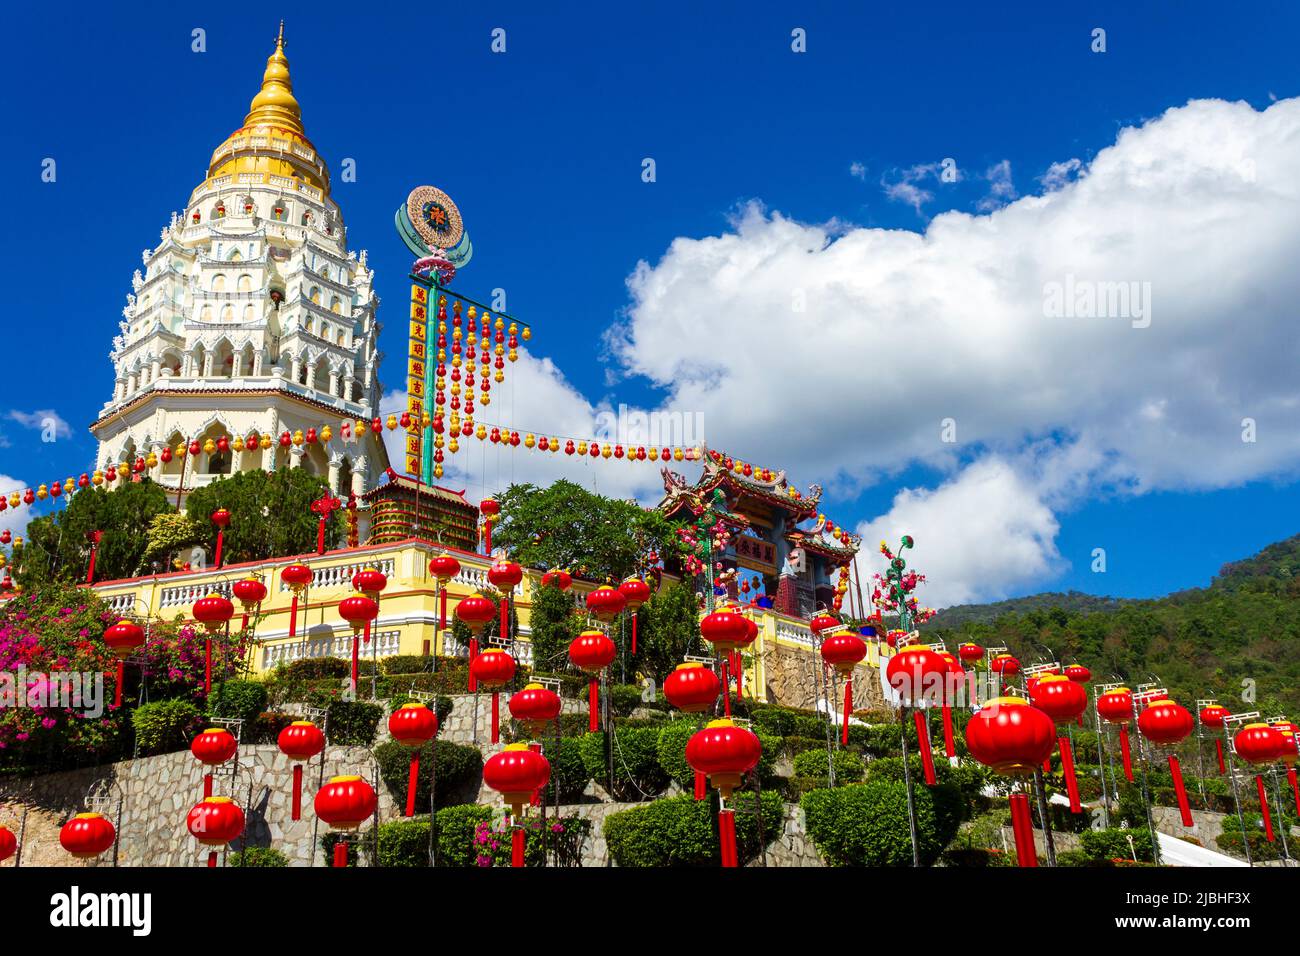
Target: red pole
[
  {"x": 1023, "y": 829},
  {"x": 412, "y": 781},
  {"x": 593, "y": 706},
  {"x": 1176, "y": 772},
  {"x": 923, "y": 742},
  {"x": 848, "y": 709},
  {"x": 1125, "y": 752},
  {"x": 340, "y": 854},
  {"x": 1218, "y": 749},
  {"x": 1071, "y": 782},
  {"x": 297, "y": 791},
  {"x": 517, "y": 843},
  {"x": 1263, "y": 807},
  {"x": 117, "y": 691}
]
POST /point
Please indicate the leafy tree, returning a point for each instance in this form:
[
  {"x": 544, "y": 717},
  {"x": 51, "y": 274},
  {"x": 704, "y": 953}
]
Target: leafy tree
[
  {"x": 57, "y": 546},
  {"x": 669, "y": 629},
  {"x": 270, "y": 514},
  {"x": 170, "y": 532},
  {"x": 554, "y": 625},
  {"x": 566, "y": 526}
]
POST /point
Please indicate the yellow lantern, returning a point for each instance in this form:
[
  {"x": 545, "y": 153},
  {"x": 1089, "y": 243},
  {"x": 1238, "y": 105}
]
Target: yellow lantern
[
  {"x": 297, "y": 437},
  {"x": 98, "y": 477},
  {"x": 527, "y": 333},
  {"x": 514, "y": 355},
  {"x": 438, "y": 441},
  {"x": 529, "y": 440},
  {"x": 606, "y": 451},
  {"x": 480, "y": 432},
  {"x": 392, "y": 422},
  {"x": 209, "y": 446},
  {"x": 151, "y": 461},
  {"x": 15, "y": 500},
  {"x": 68, "y": 486},
  {"x": 485, "y": 399},
  {"x": 514, "y": 327},
  {"x": 426, "y": 421},
  {"x": 326, "y": 433},
  {"x": 437, "y": 471},
  {"x": 500, "y": 376},
  {"x": 42, "y": 493},
  {"x": 555, "y": 445},
  {"x": 582, "y": 448},
  {"x": 677, "y": 454},
  {"x": 266, "y": 441},
  {"x": 499, "y": 324},
  {"x": 453, "y": 445},
  {"x": 652, "y": 453},
  {"x": 237, "y": 444}
]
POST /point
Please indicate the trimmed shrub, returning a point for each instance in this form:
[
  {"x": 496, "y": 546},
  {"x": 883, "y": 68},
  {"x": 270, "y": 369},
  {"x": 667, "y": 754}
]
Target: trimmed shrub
[
  {"x": 1114, "y": 844},
  {"x": 637, "y": 772},
  {"x": 257, "y": 856},
  {"x": 866, "y": 824},
  {"x": 353, "y": 723},
  {"x": 794, "y": 746},
  {"x": 405, "y": 664},
  {"x": 455, "y": 835},
  {"x": 567, "y": 768},
  {"x": 815, "y": 763},
  {"x": 266, "y": 727},
  {"x": 682, "y": 831},
  {"x": 460, "y": 770},
  {"x": 317, "y": 668},
  {"x": 165, "y": 725},
  {"x": 238, "y": 699},
  {"x": 465, "y": 837}
]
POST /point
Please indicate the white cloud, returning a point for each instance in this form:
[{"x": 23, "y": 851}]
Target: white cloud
[
  {"x": 1001, "y": 187},
  {"x": 982, "y": 534},
  {"x": 858, "y": 171},
  {"x": 1058, "y": 174},
  {"x": 43, "y": 419},
  {"x": 14, "y": 519}
]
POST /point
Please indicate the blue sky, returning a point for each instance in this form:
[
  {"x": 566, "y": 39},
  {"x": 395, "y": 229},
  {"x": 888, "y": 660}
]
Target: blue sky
[{"x": 542, "y": 149}]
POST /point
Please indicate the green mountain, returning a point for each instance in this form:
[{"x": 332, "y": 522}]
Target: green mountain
[{"x": 1237, "y": 639}]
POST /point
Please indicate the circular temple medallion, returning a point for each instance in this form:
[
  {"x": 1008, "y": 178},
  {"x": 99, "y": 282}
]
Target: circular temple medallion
[{"x": 435, "y": 217}]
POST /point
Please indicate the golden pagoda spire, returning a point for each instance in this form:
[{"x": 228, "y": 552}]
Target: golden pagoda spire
[{"x": 274, "y": 105}]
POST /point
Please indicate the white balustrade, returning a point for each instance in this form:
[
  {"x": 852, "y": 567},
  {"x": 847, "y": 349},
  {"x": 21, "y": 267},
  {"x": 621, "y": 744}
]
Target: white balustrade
[
  {"x": 340, "y": 576},
  {"x": 338, "y": 644},
  {"x": 184, "y": 595}
]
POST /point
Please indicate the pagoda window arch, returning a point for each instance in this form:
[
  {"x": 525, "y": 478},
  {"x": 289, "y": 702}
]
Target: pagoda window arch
[
  {"x": 219, "y": 282},
  {"x": 245, "y": 283},
  {"x": 336, "y": 305},
  {"x": 236, "y": 255},
  {"x": 321, "y": 376},
  {"x": 227, "y": 313},
  {"x": 206, "y": 314},
  {"x": 315, "y": 295},
  {"x": 344, "y": 487},
  {"x": 217, "y": 463},
  {"x": 249, "y": 313}
]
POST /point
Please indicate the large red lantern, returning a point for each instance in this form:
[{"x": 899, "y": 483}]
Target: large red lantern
[
  {"x": 1212, "y": 716},
  {"x": 8, "y": 843},
  {"x": 1167, "y": 724},
  {"x": 727, "y": 630},
  {"x": 1260, "y": 744},
  {"x": 517, "y": 772},
  {"x": 844, "y": 651},
  {"x": 724, "y": 753},
  {"x": 250, "y": 592},
  {"x": 692, "y": 687},
  {"x": 1004, "y": 665},
  {"x": 535, "y": 706},
  {"x": 300, "y": 741},
  {"x": 358, "y": 610},
  {"x": 220, "y": 518},
  {"x": 213, "y": 612},
  {"x": 919, "y": 676},
  {"x": 557, "y": 579},
  {"x": 1064, "y": 700},
  {"x": 296, "y": 577},
  {"x": 494, "y": 668},
  {"x": 956, "y": 675},
  {"x": 443, "y": 567},
  {"x": 87, "y": 835},
  {"x": 123, "y": 638},
  {"x": 970, "y": 653},
  {"x": 345, "y": 803},
  {"x": 1078, "y": 673},
  {"x": 823, "y": 622},
  {"x": 505, "y": 575},
  {"x": 592, "y": 652},
  {"x": 1013, "y": 738},
  {"x": 491, "y": 510},
  {"x": 636, "y": 592},
  {"x": 216, "y": 822},
  {"x": 370, "y": 582},
  {"x": 1290, "y": 756},
  {"x": 211, "y": 748},
  {"x": 606, "y": 603},
  {"x": 1116, "y": 707},
  {"x": 413, "y": 725},
  {"x": 474, "y": 612}
]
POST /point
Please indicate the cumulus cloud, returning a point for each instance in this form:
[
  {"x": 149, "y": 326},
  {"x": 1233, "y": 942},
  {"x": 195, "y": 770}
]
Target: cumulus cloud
[
  {"x": 858, "y": 171},
  {"x": 14, "y": 519},
  {"x": 46, "y": 420},
  {"x": 1001, "y": 187},
  {"x": 846, "y": 354},
  {"x": 1058, "y": 174}
]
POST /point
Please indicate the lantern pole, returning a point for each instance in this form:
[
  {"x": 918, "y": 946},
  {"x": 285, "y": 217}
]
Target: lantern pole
[
  {"x": 911, "y": 803},
  {"x": 1040, "y": 791},
  {"x": 1283, "y": 826},
  {"x": 1236, "y": 798},
  {"x": 1101, "y": 763}
]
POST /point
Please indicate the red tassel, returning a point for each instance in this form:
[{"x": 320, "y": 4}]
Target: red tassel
[
  {"x": 1176, "y": 771},
  {"x": 634, "y": 633},
  {"x": 293, "y": 616},
  {"x": 320, "y": 537},
  {"x": 1023, "y": 829},
  {"x": 949, "y": 746},
  {"x": 367, "y": 634},
  {"x": 1125, "y": 752},
  {"x": 505, "y": 617},
  {"x": 1067, "y": 767},
  {"x": 1047, "y": 764},
  {"x": 517, "y": 842},
  {"x": 473, "y": 653},
  {"x": 738, "y": 668},
  {"x": 1218, "y": 749},
  {"x": 220, "y": 535},
  {"x": 727, "y": 838},
  {"x": 1263, "y": 807},
  {"x": 207, "y": 785},
  {"x": 496, "y": 717},
  {"x": 297, "y": 791},
  {"x": 117, "y": 690},
  {"x": 212, "y": 860},
  {"x": 923, "y": 741},
  {"x": 412, "y": 781},
  {"x": 700, "y": 785},
  {"x": 593, "y": 706},
  {"x": 1295, "y": 788},
  {"x": 355, "y": 657},
  {"x": 340, "y": 854},
  {"x": 442, "y": 609},
  {"x": 848, "y": 709},
  {"x": 537, "y": 794},
  {"x": 90, "y": 571},
  {"x": 726, "y": 688},
  {"x": 243, "y": 624}
]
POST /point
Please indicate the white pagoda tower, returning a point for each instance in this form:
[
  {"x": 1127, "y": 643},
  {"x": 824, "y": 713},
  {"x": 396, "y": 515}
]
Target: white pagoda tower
[{"x": 251, "y": 315}]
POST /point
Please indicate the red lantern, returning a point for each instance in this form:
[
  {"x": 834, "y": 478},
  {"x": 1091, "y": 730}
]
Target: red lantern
[
  {"x": 919, "y": 675},
  {"x": 606, "y": 603},
  {"x": 216, "y": 822},
  {"x": 535, "y": 706},
  {"x": 250, "y": 592},
  {"x": 1260, "y": 744},
  {"x": 844, "y": 651},
  {"x": 636, "y": 592},
  {"x": 474, "y": 612},
  {"x": 300, "y": 741},
  {"x": 211, "y": 748},
  {"x": 970, "y": 653},
  {"x": 345, "y": 803},
  {"x": 358, "y": 610},
  {"x": 592, "y": 652},
  {"x": 493, "y": 668},
  {"x": 87, "y": 835},
  {"x": 1064, "y": 700},
  {"x": 296, "y": 577},
  {"x": 559, "y": 579},
  {"x": 1012, "y": 738},
  {"x": 1165, "y": 723},
  {"x": 1078, "y": 673},
  {"x": 413, "y": 725},
  {"x": 443, "y": 567},
  {"x": 516, "y": 773},
  {"x": 8, "y": 844},
  {"x": 505, "y": 575},
  {"x": 123, "y": 638},
  {"x": 370, "y": 581},
  {"x": 1291, "y": 756},
  {"x": 1005, "y": 664},
  {"x": 1116, "y": 707},
  {"x": 491, "y": 510},
  {"x": 724, "y": 753},
  {"x": 220, "y": 518},
  {"x": 1212, "y": 716},
  {"x": 823, "y": 622},
  {"x": 692, "y": 687},
  {"x": 213, "y": 612}
]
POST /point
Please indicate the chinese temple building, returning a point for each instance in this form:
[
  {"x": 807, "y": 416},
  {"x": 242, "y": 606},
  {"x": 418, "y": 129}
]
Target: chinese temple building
[
  {"x": 404, "y": 508},
  {"x": 777, "y": 533}
]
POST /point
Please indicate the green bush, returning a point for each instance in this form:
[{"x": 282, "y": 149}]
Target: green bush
[
  {"x": 777, "y": 721},
  {"x": 165, "y": 725},
  {"x": 867, "y": 825},
  {"x": 461, "y": 841},
  {"x": 1113, "y": 844},
  {"x": 637, "y": 772},
  {"x": 815, "y": 763},
  {"x": 406, "y": 664},
  {"x": 238, "y": 699},
  {"x": 317, "y": 668},
  {"x": 257, "y": 856},
  {"x": 353, "y": 723},
  {"x": 266, "y": 727},
  {"x": 460, "y": 769},
  {"x": 682, "y": 831},
  {"x": 353, "y": 840},
  {"x": 455, "y": 836},
  {"x": 567, "y": 768},
  {"x": 794, "y": 746}
]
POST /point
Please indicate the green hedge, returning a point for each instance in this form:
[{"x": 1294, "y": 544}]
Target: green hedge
[
  {"x": 238, "y": 699},
  {"x": 353, "y": 723},
  {"x": 266, "y": 727},
  {"x": 1113, "y": 844},
  {"x": 867, "y": 825},
  {"x": 257, "y": 856},
  {"x": 815, "y": 763},
  {"x": 460, "y": 769},
  {"x": 682, "y": 831},
  {"x": 165, "y": 725},
  {"x": 406, "y": 664},
  {"x": 637, "y": 772},
  {"x": 462, "y": 842}
]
